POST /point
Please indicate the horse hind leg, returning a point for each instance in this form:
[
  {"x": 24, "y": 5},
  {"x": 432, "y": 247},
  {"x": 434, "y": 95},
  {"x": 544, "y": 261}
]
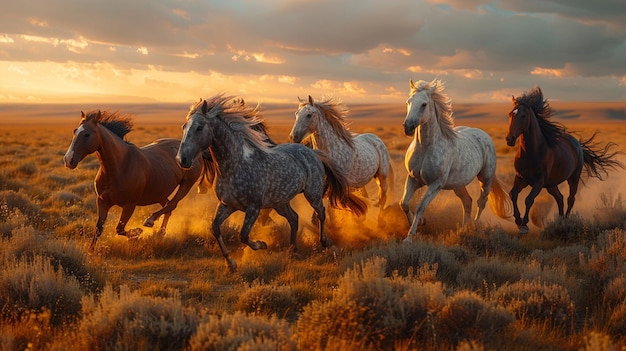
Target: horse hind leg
[
  {"x": 558, "y": 197},
  {"x": 485, "y": 189},
  {"x": 252, "y": 213},
  {"x": 315, "y": 200},
  {"x": 571, "y": 198},
  {"x": 292, "y": 218},
  {"x": 466, "y": 200}
]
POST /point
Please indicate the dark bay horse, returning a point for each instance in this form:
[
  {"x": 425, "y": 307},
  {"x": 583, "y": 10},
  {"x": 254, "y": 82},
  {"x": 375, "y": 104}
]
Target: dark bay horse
[
  {"x": 130, "y": 176},
  {"x": 251, "y": 175},
  {"x": 548, "y": 155}
]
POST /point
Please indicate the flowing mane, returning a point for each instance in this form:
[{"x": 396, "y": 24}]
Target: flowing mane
[
  {"x": 239, "y": 118},
  {"x": 335, "y": 113},
  {"x": 443, "y": 105},
  {"x": 541, "y": 108},
  {"x": 118, "y": 123}
]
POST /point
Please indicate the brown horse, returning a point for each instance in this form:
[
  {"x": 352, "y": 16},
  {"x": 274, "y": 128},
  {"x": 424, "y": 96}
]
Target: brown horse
[
  {"x": 130, "y": 176},
  {"x": 548, "y": 155}
]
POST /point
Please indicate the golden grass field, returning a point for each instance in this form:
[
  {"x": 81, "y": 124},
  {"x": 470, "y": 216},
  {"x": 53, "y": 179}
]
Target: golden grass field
[{"x": 561, "y": 287}]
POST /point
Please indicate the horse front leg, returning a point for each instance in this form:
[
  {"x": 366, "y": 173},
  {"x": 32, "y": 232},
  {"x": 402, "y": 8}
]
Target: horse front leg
[
  {"x": 221, "y": 213},
  {"x": 252, "y": 213},
  {"x": 530, "y": 200},
  {"x": 518, "y": 185},
  {"x": 103, "y": 210},
  {"x": 431, "y": 192},
  {"x": 410, "y": 186}
]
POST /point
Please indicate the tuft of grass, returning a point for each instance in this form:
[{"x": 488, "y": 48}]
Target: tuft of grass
[
  {"x": 241, "y": 331},
  {"x": 127, "y": 320}
]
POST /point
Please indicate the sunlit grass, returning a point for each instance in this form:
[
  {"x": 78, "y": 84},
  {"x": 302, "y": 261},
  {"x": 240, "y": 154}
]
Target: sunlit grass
[{"x": 474, "y": 287}]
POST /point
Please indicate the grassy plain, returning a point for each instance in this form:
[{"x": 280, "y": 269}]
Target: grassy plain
[{"x": 561, "y": 287}]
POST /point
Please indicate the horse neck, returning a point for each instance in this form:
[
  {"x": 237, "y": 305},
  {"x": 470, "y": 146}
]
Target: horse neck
[
  {"x": 429, "y": 133},
  {"x": 328, "y": 141},
  {"x": 111, "y": 150},
  {"x": 227, "y": 150},
  {"x": 532, "y": 140}
]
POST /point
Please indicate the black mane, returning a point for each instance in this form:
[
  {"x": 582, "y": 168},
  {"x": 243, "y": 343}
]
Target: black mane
[{"x": 542, "y": 110}]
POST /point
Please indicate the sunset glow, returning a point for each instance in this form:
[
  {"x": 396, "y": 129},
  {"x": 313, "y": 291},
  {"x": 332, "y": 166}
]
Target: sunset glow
[{"x": 276, "y": 50}]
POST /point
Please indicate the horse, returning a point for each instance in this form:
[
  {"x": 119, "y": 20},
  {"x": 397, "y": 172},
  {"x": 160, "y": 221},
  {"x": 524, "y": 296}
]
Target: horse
[
  {"x": 251, "y": 175},
  {"x": 442, "y": 156},
  {"x": 131, "y": 176},
  {"x": 549, "y": 155},
  {"x": 362, "y": 157}
]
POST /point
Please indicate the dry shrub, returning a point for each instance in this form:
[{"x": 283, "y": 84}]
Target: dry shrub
[
  {"x": 371, "y": 310},
  {"x": 606, "y": 261},
  {"x": 569, "y": 229},
  {"x": 617, "y": 321},
  {"x": 130, "y": 321},
  {"x": 403, "y": 258},
  {"x": 537, "y": 301},
  {"x": 26, "y": 243},
  {"x": 611, "y": 212},
  {"x": 483, "y": 240},
  {"x": 269, "y": 299},
  {"x": 595, "y": 341},
  {"x": 240, "y": 331},
  {"x": 485, "y": 274},
  {"x": 615, "y": 292},
  {"x": 34, "y": 286},
  {"x": 466, "y": 316},
  {"x": 10, "y": 201}
]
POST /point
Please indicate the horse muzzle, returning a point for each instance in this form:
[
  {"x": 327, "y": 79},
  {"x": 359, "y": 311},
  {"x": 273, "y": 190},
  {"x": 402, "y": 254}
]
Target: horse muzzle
[
  {"x": 184, "y": 162},
  {"x": 409, "y": 130},
  {"x": 510, "y": 140},
  {"x": 69, "y": 161}
]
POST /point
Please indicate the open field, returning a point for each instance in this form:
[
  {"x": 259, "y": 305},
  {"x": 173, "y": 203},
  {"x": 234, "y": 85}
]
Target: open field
[{"x": 561, "y": 287}]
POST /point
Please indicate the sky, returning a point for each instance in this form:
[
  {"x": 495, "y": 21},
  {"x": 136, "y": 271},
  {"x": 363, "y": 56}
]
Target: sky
[{"x": 361, "y": 51}]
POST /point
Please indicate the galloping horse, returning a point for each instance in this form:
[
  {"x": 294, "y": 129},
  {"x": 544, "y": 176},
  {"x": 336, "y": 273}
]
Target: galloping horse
[
  {"x": 130, "y": 176},
  {"x": 361, "y": 157},
  {"x": 548, "y": 155},
  {"x": 442, "y": 156},
  {"x": 251, "y": 175}
]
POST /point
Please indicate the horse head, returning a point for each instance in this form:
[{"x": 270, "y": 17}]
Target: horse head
[
  {"x": 416, "y": 104},
  {"x": 85, "y": 140},
  {"x": 197, "y": 132},
  {"x": 306, "y": 120},
  {"x": 519, "y": 121}
]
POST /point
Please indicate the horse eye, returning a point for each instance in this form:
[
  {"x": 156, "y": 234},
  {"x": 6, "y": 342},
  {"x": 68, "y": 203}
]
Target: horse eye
[
  {"x": 309, "y": 115},
  {"x": 424, "y": 104},
  {"x": 86, "y": 135},
  {"x": 198, "y": 128}
]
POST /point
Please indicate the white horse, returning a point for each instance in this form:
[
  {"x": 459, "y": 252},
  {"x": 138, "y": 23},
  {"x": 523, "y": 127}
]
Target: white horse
[
  {"x": 442, "y": 156},
  {"x": 360, "y": 157}
]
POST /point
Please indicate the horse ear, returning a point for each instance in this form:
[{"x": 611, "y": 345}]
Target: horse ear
[
  {"x": 82, "y": 114},
  {"x": 513, "y": 99},
  {"x": 411, "y": 84},
  {"x": 98, "y": 116},
  {"x": 310, "y": 100},
  {"x": 204, "y": 107},
  {"x": 300, "y": 100}
]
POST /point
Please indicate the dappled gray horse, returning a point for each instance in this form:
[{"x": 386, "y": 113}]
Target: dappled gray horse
[{"x": 251, "y": 175}]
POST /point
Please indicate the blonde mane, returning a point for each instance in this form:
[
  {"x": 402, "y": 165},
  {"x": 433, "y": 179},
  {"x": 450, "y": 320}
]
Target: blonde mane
[
  {"x": 442, "y": 104},
  {"x": 335, "y": 113},
  {"x": 239, "y": 117}
]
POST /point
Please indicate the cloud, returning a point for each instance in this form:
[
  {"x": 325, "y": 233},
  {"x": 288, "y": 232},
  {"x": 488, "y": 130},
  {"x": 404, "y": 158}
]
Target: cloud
[{"x": 481, "y": 48}]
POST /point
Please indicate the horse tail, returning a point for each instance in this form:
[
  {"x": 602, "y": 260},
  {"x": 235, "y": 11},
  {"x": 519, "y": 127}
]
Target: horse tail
[
  {"x": 336, "y": 186},
  {"x": 208, "y": 173},
  {"x": 598, "y": 160},
  {"x": 499, "y": 200}
]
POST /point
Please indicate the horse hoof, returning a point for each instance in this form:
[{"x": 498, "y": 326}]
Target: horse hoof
[
  {"x": 232, "y": 265},
  {"x": 523, "y": 229},
  {"x": 149, "y": 222},
  {"x": 326, "y": 242},
  {"x": 133, "y": 233},
  {"x": 257, "y": 245},
  {"x": 407, "y": 240}
]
